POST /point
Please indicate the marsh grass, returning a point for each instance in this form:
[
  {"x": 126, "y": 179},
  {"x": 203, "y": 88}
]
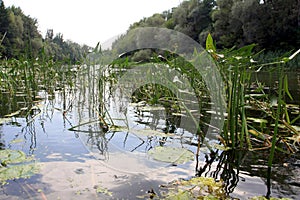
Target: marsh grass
[
  {"x": 246, "y": 99},
  {"x": 22, "y": 79},
  {"x": 237, "y": 67}
]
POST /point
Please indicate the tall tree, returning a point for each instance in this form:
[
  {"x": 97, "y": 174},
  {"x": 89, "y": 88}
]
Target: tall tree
[
  {"x": 221, "y": 17},
  {"x": 3, "y": 26}
]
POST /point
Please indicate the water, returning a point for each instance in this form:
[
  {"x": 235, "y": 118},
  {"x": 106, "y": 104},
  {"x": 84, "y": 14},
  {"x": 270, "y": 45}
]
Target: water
[{"x": 79, "y": 160}]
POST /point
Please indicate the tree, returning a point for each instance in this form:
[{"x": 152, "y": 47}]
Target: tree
[
  {"x": 221, "y": 17},
  {"x": 49, "y": 34},
  {"x": 193, "y": 17},
  {"x": 3, "y": 27}
]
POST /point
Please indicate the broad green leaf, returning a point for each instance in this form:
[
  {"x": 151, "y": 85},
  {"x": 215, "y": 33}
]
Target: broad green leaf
[
  {"x": 18, "y": 171},
  {"x": 8, "y": 156},
  {"x": 210, "y": 43},
  {"x": 148, "y": 132},
  {"x": 15, "y": 164},
  {"x": 197, "y": 188},
  {"x": 245, "y": 51},
  {"x": 181, "y": 195},
  {"x": 171, "y": 154}
]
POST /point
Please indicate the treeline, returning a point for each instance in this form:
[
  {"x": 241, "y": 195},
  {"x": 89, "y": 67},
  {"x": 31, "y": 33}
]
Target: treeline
[
  {"x": 20, "y": 38},
  {"x": 273, "y": 25}
]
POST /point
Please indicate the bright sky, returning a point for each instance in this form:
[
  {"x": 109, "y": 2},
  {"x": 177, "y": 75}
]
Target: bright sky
[{"x": 90, "y": 21}]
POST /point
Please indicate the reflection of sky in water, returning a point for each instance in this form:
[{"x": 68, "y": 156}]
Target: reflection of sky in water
[{"x": 48, "y": 138}]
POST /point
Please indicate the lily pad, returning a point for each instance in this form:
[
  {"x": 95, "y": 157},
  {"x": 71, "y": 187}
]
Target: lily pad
[
  {"x": 15, "y": 164},
  {"x": 149, "y": 133},
  {"x": 8, "y": 156},
  {"x": 171, "y": 154},
  {"x": 196, "y": 188},
  {"x": 18, "y": 171}
]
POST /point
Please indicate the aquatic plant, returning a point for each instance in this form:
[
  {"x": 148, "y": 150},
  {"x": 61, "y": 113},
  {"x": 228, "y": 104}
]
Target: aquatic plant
[
  {"x": 237, "y": 66},
  {"x": 15, "y": 164}
]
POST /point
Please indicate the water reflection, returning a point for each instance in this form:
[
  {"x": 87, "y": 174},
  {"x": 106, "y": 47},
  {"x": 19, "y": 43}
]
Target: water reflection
[
  {"x": 233, "y": 167},
  {"x": 124, "y": 148},
  {"x": 236, "y": 168}
]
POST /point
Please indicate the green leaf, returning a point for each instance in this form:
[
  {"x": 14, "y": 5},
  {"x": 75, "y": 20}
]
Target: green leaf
[
  {"x": 8, "y": 156},
  {"x": 210, "y": 43},
  {"x": 181, "y": 195},
  {"x": 100, "y": 189},
  {"x": 14, "y": 165},
  {"x": 245, "y": 51},
  {"x": 286, "y": 87},
  {"x": 171, "y": 154}
]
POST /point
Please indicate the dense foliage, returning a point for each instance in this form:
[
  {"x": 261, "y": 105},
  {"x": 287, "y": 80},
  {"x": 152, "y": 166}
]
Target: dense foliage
[
  {"x": 20, "y": 38},
  {"x": 272, "y": 25}
]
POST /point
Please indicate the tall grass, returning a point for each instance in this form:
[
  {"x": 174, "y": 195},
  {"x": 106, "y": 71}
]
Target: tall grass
[
  {"x": 26, "y": 77},
  {"x": 236, "y": 67}
]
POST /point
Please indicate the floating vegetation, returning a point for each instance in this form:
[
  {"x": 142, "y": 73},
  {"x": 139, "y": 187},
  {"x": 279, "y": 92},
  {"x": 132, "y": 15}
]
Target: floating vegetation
[
  {"x": 196, "y": 188},
  {"x": 102, "y": 190},
  {"x": 15, "y": 164},
  {"x": 171, "y": 154}
]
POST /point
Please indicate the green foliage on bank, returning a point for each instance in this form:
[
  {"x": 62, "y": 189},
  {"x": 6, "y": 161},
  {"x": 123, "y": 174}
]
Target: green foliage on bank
[
  {"x": 20, "y": 39},
  {"x": 274, "y": 26}
]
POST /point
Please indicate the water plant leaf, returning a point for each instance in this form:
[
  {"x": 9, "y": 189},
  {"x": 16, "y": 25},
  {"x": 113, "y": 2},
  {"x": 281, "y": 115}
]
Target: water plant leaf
[
  {"x": 8, "y": 156},
  {"x": 181, "y": 195},
  {"x": 18, "y": 171},
  {"x": 286, "y": 87},
  {"x": 149, "y": 132},
  {"x": 210, "y": 46},
  {"x": 15, "y": 164},
  {"x": 100, "y": 189},
  {"x": 173, "y": 155},
  {"x": 197, "y": 188}
]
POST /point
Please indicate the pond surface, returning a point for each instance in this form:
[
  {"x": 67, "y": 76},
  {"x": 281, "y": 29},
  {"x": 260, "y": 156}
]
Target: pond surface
[{"x": 79, "y": 159}]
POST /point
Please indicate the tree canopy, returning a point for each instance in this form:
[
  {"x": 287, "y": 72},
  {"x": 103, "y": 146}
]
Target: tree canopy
[
  {"x": 272, "y": 25},
  {"x": 20, "y": 38}
]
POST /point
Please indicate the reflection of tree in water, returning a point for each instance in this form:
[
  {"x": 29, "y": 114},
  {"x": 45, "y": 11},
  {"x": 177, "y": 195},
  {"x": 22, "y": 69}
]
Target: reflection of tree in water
[
  {"x": 227, "y": 168},
  {"x": 96, "y": 139},
  {"x": 284, "y": 175},
  {"x": 231, "y": 163}
]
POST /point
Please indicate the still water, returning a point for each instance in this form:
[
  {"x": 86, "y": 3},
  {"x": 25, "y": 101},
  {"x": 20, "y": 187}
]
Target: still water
[{"x": 79, "y": 159}]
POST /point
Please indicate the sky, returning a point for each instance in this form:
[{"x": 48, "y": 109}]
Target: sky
[{"x": 90, "y": 21}]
